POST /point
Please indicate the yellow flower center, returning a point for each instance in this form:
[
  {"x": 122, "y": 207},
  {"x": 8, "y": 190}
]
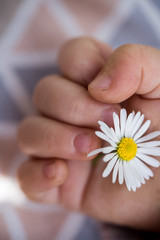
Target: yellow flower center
[{"x": 127, "y": 149}]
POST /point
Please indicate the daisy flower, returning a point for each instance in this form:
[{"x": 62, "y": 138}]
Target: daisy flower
[{"x": 129, "y": 153}]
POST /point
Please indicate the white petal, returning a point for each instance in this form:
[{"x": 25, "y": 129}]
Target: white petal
[
  {"x": 149, "y": 137},
  {"x": 138, "y": 183},
  {"x": 128, "y": 124},
  {"x": 107, "y": 133},
  {"x": 133, "y": 112},
  {"x": 142, "y": 130},
  {"x": 154, "y": 151},
  {"x": 104, "y": 127},
  {"x": 140, "y": 169},
  {"x": 103, "y": 124},
  {"x": 146, "y": 172},
  {"x": 137, "y": 126},
  {"x": 115, "y": 172},
  {"x": 116, "y": 125},
  {"x": 135, "y": 175},
  {"x": 103, "y": 150},
  {"x": 104, "y": 137},
  {"x": 123, "y": 117},
  {"x": 114, "y": 136},
  {"x": 126, "y": 176},
  {"x": 95, "y": 152},
  {"x": 137, "y": 170},
  {"x": 109, "y": 167},
  {"x": 132, "y": 173},
  {"x": 149, "y": 160},
  {"x": 135, "y": 119},
  {"x": 108, "y": 157},
  {"x": 108, "y": 149},
  {"x": 131, "y": 182},
  {"x": 149, "y": 144},
  {"x": 134, "y": 188},
  {"x": 120, "y": 173},
  {"x": 101, "y": 135}
]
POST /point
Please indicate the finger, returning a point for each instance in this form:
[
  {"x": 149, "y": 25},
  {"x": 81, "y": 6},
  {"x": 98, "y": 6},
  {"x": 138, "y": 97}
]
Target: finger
[
  {"x": 71, "y": 103},
  {"x": 130, "y": 69},
  {"x": 81, "y": 59},
  {"x": 39, "y": 179},
  {"x": 47, "y": 138}
]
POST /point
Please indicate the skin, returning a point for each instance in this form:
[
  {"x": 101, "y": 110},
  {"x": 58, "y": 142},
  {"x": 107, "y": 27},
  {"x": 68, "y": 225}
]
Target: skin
[{"x": 58, "y": 171}]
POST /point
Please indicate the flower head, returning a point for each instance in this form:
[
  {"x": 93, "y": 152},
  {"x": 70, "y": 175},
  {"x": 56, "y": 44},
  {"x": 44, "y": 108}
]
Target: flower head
[{"x": 129, "y": 153}]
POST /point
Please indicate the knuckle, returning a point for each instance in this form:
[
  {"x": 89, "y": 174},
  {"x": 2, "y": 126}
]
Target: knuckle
[
  {"x": 38, "y": 141},
  {"x": 76, "y": 111},
  {"x": 127, "y": 56},
  {"x": 129, "y": 51},
  {"x": 72, "y": 58},
  {"x": 52, "y": 140}
]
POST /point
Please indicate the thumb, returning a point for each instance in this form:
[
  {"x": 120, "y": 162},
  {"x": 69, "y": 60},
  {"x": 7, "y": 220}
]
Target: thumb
[{"x": 130, "y": 69}]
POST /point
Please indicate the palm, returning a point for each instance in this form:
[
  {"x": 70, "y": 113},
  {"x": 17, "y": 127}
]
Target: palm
[{"x": 87, "y": 191}]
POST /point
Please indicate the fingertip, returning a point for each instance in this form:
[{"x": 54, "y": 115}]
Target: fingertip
[
  {"x": 39, "y": 178},
  {"x": 81, "y": 59},
  {"x": 56, "y": 171}
]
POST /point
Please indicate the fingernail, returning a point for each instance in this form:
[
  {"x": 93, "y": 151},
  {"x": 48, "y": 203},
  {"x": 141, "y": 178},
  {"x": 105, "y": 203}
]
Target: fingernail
[
  {"x": 101, "y": 82},
  {"x": 50, "y": 170},
  {"x": 82, "y": 142},
  {"x": 107, "y": 115}
]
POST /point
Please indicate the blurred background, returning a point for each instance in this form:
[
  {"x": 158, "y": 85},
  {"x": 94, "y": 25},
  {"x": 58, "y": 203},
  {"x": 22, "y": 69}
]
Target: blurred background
[{"x": 31, "y": 33}]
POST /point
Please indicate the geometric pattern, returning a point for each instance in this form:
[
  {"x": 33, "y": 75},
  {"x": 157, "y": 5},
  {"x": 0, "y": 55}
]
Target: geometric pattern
[
  {"x": 145, "y": 34},
  {"x": 31, "y": 76},
  {"x": 31, "y": 33},
  {"x": 10, "y": 112}
]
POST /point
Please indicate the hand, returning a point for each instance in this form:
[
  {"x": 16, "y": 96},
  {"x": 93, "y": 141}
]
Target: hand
[{"x": 129, "y": 76}]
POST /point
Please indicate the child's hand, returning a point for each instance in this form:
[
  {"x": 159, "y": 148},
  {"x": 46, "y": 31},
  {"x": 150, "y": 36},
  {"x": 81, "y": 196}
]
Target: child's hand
[{"x": 130, "y": 75}]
